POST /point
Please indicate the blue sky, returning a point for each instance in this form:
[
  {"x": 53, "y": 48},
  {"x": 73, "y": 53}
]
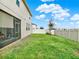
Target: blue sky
[{"x": 64, "y": 13}]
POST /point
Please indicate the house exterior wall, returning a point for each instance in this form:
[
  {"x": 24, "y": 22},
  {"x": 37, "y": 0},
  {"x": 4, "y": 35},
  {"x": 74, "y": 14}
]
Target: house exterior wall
[{"x": 20, "y": 12}]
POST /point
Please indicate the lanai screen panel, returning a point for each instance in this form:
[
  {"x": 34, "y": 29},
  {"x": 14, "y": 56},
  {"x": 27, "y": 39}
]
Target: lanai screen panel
[{"x": 6, "y": 21}]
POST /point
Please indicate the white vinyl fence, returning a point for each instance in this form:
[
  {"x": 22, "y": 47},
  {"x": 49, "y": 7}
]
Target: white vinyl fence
[
  {"x": 42, "y": 31},
  {"x": 39, "y": 31},
  {"x": 72, "y": 34}
]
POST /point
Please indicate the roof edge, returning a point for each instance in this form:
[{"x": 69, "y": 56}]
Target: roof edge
[{"x": 27, "y": 7}]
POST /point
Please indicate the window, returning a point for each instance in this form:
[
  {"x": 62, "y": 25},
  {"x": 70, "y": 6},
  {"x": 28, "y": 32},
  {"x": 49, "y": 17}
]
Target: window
[
  {"x": 18, "y": 3},
  {"x": 29, "y": 18},
  {"x": 27, "y": 26},
  {"x": 11, "y": 33}
]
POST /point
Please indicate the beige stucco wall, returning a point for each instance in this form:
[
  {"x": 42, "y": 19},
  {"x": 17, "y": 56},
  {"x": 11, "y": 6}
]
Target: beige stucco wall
[{"x": 20, "y": 12}]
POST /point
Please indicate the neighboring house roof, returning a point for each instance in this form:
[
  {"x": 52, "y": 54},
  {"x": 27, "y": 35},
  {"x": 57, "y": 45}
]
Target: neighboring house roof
[
  {"x": 34, "y": 24},
  {"x": 27, "y": 7}
]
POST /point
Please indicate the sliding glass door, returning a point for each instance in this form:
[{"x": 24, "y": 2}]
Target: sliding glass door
[
  {"x": 10, "y": 29},
  {"x": 17, "y": 28}
]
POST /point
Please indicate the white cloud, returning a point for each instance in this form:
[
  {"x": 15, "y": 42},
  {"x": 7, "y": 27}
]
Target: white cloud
[
  {"x": 47, "y": 0},
  {"x": 55, "y": 23},
  {"x": 54, "y": 8},
  {"x": 42, "y": 16},
  {"x": 49, "y": 8},
  {"x": 61, "y": 16},
  {"x": 75, "y": 17},
  {"x": 57, "y": 11},
  {"x": 44, "y": 8},
  {"x": 71, "y": 23},
  {"x": 78, "y": 22}
]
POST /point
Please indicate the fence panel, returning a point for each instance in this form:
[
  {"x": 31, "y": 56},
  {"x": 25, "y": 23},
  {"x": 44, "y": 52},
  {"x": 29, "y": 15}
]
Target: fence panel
[{"x": 72, "y": 34}]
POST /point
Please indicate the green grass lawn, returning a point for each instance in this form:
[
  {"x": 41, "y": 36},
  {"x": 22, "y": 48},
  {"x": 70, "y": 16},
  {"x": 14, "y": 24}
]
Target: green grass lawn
[{"x": 43, "y": 47}]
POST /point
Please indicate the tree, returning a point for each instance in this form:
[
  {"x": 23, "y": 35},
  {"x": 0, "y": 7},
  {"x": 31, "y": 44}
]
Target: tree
[
  {"x": 50, "y": 25},
  {"x": 41, "y": 27}
]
